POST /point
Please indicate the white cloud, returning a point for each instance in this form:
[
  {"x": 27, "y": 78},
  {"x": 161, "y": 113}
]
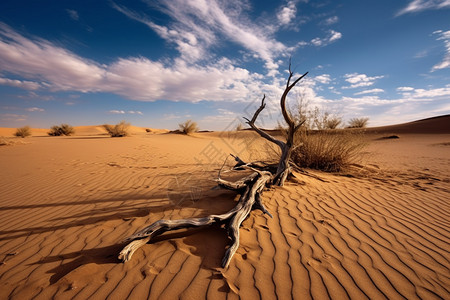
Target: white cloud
[
  {"x": 429, "y": 94},
  {"x": 359, "y": 80},
  {"x": 122, "y": 112},
  {"x": 445, "y": 63},
  {"x": 405, "y": 89},
  {"x": 118, "y": 112},
  {"x": 324, "y": 78},
  {"x": 331, "y": 20},
  {"x": 372, "y": 91},
  {"x": 420, "y": 5},
  {"x": 199, "y": 24},
  {"x": 135, "y": 112},
  {"x": 33, "y": 109},
  {"x": 330, "y": 38},
  {"x": 58, "y": 69},
  {"x": 287, "y": 13},
  {"x": 24, "y": 84}
]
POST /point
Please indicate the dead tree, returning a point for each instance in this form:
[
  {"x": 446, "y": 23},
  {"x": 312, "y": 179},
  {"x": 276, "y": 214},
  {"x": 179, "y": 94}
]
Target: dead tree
[{"x": 249, "y": 187}]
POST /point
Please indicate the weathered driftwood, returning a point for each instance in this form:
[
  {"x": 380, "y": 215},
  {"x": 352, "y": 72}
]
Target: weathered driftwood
[{"x": 249, "y": 187}]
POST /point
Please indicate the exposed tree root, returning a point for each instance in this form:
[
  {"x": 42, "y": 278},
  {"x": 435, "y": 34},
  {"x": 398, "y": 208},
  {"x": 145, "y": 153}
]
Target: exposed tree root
[{"x": 249, "y": 187}]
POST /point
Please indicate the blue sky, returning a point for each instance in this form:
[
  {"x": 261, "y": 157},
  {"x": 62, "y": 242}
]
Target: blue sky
[{"x": 158, "y": 63}]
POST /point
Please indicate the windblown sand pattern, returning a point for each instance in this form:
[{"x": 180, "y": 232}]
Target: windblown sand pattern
[{"x": 66, "y": 203}]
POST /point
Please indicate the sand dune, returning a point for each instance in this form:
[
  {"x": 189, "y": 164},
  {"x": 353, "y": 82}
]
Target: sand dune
[{"x": 66, "y": 203}]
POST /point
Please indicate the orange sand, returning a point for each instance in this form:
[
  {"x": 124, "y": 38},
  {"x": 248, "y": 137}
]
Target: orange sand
[{"x": 67, "y": 202}]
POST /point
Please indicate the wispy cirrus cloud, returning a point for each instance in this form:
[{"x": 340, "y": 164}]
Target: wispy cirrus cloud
[
  {"x": 13, "y": 117},
  {"x": 73, "y": 14},
  {"x": 421, "y": 5},
  {"x": 331, "y": 20},
  {"x": 24, "y": 84},
  {"x": 445, "y": 63},
  {"x": 197, "y": 25}
]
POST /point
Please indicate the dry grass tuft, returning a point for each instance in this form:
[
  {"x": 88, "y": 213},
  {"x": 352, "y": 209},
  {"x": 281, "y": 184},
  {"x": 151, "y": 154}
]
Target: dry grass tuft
[
  {"x": 358, "y": 123},
  {"x": 23, "y": 132},
  {"x": 63, "y": 129},
  {"x": 319, "y": 145},
  {"x": 118, "y": 130},
  {"x": 188, "y": 127},
  {"x": 327, "y": 150}
]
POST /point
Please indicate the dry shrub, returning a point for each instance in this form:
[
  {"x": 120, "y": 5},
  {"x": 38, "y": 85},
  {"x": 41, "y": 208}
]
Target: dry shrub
[
  {"x": 63, "y": 129},
  {"x": 333, "y": 122},
  {"x": 23, "y": 132},
  {"x": 358, "y": 123},
  {"x": 319, "y": 145},
  {"x": 327, "y": 150},
  {"x": 118, "y": 130},
  {"x": 188, "y": 127}
]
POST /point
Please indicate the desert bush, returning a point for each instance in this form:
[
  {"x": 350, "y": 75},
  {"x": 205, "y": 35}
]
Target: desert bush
[
  {"x": 319, "y": 145},
  {"x": 333, "y": 123},
  {"x": 63, "y": 129},
  {"x": 188, "y": 127},
  {"x": 327, "y": 150},
  {"x": 239, "y": 126},
  {"x": 148, "y": 130},
  {"x": 358, "y": 122},
  {"x": 118, "y": 130},
  {"x": 23, "y": 132}
]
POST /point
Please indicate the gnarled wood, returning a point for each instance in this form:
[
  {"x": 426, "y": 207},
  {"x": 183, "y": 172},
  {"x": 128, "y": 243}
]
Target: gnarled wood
[{"x": 250, "y": 187}]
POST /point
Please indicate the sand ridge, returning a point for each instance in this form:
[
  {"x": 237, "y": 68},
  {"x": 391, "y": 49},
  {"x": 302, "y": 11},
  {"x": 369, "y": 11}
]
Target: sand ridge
[{"x": 67, "y": 202}]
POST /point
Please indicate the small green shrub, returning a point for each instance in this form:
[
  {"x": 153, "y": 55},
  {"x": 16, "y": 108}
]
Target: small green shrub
[
  {"x": 358, "y": 123},
  {"x": 188, "y": 127},
  {"x": 63, "y": 129},
  {"x": 118, "y": 130},
  {"x": 23, "y": 132}
]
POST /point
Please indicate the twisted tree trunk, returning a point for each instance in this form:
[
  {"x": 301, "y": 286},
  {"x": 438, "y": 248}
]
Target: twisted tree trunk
[{"x": 249, "y": 187}]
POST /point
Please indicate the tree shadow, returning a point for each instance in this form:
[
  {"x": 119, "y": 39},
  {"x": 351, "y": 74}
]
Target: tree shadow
[
  {"x": 208, "y": 243},
  {"x": 130, "y": 210}
]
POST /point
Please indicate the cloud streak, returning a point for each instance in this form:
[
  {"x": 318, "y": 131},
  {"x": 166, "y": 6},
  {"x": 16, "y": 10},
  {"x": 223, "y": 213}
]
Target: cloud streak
[
  {"x": 421, "y": 5},
  {"x": 445, "y": 63},
  {"x": 47, "y": 66},
  {"x": 197, "y": 25}
]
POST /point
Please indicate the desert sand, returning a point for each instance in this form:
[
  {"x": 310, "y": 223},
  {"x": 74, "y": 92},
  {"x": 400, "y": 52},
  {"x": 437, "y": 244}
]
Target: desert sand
[{"x": 379, "y": 231}]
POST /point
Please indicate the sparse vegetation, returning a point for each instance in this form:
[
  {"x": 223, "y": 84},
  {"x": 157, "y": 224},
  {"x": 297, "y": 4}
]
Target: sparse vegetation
[
  {"x": 188, "y": 127},
  {"x": 63, "y": 129},
  {"x": 121, "y": 129},
  {"x": 319, "y": 145},
  {"x": 358, "y": 123},
  {"x": 333, "y": 123},
  {"x": 327, "y": 150},
  {"x": 148, "y": 130},
  {"x": 23, "y": 132},
  {"x": 239, "y": 126}
]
